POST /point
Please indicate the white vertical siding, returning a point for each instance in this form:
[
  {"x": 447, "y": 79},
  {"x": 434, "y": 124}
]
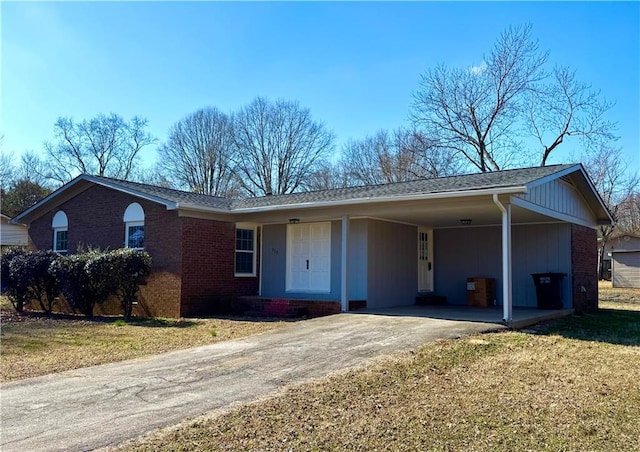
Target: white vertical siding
[{"x": 560, "y": 196}]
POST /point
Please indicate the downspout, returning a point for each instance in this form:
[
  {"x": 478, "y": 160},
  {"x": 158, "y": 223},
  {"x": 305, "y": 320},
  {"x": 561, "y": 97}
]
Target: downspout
[{"x": 507, "y": 301}]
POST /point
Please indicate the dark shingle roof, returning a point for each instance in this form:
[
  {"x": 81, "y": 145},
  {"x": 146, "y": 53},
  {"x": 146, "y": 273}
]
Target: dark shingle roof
[
  {"x": 169, "y": 194},
  {"x": 467, "y": 182}
]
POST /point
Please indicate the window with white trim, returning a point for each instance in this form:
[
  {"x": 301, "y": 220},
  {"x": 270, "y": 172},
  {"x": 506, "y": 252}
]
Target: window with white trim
[
  {"x": 60, "y": 225},
  {"x": 134, "y": 226},
  {"x": 245, "y": 250}
]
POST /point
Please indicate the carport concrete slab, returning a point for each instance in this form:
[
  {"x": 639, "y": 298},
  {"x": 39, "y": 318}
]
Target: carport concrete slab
[
  {"x": 105, "y": 405},
  {"x": 522, "y": 317}
]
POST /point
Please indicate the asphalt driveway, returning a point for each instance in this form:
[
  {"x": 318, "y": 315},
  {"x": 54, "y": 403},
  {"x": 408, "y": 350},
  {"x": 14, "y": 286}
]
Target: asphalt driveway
[{"x": 105, "y": 405}]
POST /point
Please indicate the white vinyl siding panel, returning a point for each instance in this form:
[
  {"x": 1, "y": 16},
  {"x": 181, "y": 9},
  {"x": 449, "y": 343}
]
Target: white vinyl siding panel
[
  {"x": 626, "y": 269},
  {"x": 13, "y": 234},
  {"x": 561, "y": 197}
]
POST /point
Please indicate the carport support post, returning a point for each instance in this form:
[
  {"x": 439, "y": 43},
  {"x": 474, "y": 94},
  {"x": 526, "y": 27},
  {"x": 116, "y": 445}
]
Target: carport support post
[
  {"x": 344, "y": 265},
  {"x": 507, "y": 301}
]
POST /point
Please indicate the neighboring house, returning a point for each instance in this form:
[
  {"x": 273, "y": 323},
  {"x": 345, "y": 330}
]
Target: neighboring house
[
  {"x": 620, "y": 241},
  {"x": 622, "y": 258},
  {"x": 12, "y": 234},
  {"x": 377, "y": 246}
]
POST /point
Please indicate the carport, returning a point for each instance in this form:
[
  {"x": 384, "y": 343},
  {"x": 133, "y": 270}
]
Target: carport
[{"x": 385, "y": 245}]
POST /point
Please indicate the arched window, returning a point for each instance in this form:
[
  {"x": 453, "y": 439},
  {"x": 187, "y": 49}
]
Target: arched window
[
  {"x": 60, "y": 226},
  {"x": 134, "y": 226}
]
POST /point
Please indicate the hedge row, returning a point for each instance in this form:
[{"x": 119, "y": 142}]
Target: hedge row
[{"x": 84, "y": 279}]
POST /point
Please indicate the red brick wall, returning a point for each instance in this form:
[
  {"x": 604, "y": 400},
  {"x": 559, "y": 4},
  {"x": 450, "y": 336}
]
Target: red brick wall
[
  {"x": 584, "y": 262},
  {"x": 208, "y": 258},
  {"x": 95, "y": 219},
  {"x": 287, "y": 307}
]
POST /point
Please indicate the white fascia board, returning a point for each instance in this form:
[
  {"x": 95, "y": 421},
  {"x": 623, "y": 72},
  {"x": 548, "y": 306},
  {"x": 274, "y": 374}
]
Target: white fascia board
[
  {"x": 198, "y": 208},
  {"x": 554, "y": 176},
  {"x": 551, "y": 213},
  {"x": 570, "y": 170},
  {"x": 412, "y": 197},
  {"x": 596, "y": 194}
]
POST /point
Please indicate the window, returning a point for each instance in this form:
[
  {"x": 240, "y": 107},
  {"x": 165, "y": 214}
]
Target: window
[
  {"x": 60, "y": 225},
  {"x": 134, "y": 226},
  {"x": 245, "y": 250}
]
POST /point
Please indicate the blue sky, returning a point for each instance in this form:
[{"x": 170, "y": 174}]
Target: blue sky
[{"x": 354, "y": 65}]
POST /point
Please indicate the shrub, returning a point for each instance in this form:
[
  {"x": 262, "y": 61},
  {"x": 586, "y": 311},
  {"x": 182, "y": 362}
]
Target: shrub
[
  {"x": 74, "y": 284},
  {"x": 43, "y": 285},
  {"x": 12, "y": 272},
  {"x": 131, "y": 269},
  {"x": 85, "y": 279}
]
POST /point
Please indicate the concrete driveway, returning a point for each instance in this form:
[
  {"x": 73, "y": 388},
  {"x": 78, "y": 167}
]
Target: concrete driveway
[{"x": 105, "y": 405}]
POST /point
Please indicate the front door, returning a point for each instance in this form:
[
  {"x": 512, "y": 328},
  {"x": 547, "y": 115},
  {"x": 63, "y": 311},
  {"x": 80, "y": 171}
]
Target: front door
[
  {"x": 425, "y": 260},
  {"x": 309, "y": 257}
]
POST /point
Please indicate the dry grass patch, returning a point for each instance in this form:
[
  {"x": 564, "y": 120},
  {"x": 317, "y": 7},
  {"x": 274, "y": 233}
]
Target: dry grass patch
[
  {"x": 36, "y": 345},
  {"x": 571, "y": 385},
  {"x": 618, "y": 298}
]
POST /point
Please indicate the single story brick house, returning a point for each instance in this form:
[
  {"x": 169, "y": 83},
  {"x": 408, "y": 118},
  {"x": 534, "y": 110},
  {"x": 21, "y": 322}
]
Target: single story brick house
[{"x": 374, "y": 246}]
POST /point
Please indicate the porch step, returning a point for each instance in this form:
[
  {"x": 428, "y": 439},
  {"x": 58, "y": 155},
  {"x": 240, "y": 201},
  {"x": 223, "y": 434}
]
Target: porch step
[{"x": 431, "y": 300}]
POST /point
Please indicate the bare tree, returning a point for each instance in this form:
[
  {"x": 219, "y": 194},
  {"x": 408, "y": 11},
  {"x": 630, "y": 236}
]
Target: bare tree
[
  {"x": 608, "y": 171},
  {"x": 474, "y": 111},
  {"x": 278, "y": 147},
  {"x": 328, "y": 176},
  {"x": 629, "y": 213},
  {"x": 399, "y": 156},
  {"x": 198, "y": 154},
  {"x": 106, "y": 145},
  {"x": 29, "y": 169},
  {"x": 7, "y": 170},
  {"x": 564, "y": 107}
]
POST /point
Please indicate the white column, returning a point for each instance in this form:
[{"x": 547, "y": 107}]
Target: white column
[
  {"x": 344, "y": 265},
  {"x": 507, "y": 293},
  {"x": 260, "y": 228},
  {"x": 507, "y": 298}
]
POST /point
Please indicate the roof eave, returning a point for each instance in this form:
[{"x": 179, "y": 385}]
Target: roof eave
[
  {"x": 199, "y": 208},
  {"x": 413, "y": 197}
]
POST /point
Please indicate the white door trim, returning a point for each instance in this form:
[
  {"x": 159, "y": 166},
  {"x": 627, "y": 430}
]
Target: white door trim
[{"x": 425, "y": 260}]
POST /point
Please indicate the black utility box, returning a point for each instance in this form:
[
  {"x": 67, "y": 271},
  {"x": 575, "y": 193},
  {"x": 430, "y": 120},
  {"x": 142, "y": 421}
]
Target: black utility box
[{"x": 548, "y": 289}]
